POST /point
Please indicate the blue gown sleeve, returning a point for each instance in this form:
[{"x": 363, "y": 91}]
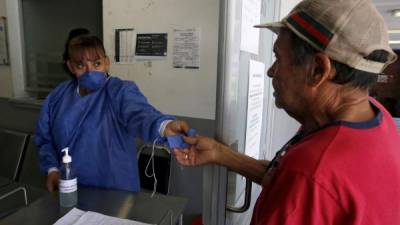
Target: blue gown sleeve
[
  {"x": 43, "y": 139},
  {"x": 137, "y": 114}
]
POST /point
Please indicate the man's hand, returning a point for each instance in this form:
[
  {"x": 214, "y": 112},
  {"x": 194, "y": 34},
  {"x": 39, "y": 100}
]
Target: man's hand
[
  {"x": 52, "y": 181},
  {"x": 176, "y": 127},
  {"x": 204, "y": 150}
]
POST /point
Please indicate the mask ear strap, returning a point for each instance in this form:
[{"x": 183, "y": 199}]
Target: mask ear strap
[{"x": 153, "y": 174}]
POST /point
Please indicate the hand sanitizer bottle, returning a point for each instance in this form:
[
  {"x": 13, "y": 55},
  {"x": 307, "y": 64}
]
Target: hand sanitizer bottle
[{"x": 68, "y": 187}]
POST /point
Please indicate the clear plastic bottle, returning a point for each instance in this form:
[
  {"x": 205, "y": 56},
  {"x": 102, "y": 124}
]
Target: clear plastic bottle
[{"x": 68, "y": 187}]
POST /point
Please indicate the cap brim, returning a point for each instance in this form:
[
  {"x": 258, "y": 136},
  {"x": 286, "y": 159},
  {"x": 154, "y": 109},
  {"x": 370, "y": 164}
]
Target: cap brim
[{"x": 274, "y": 27}]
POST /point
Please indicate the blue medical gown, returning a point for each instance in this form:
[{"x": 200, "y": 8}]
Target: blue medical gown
[{"x": 100, "y": 130}]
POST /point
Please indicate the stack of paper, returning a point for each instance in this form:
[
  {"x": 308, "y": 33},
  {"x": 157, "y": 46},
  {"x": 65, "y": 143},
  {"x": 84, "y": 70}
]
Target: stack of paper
[{"x": 79, "y": 217}]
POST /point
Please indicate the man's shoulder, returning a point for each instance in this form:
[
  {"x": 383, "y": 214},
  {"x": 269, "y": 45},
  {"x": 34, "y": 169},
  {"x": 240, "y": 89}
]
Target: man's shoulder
[
  {"x": 321, "y": 152},
  {"x": 314, "y": 146},
  {"x": 341, "y": 156}
]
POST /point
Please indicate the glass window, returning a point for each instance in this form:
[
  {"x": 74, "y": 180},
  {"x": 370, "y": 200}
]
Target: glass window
[{"x": 46, "y": 24}]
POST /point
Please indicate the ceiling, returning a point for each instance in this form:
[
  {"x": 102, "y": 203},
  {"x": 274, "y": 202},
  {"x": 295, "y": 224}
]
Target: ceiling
[{"x": 385, "y": 7}]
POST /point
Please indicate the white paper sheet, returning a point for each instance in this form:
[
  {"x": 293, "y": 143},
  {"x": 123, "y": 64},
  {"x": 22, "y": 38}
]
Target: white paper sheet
[
  {"x": 255, "y": 107},
  {"x": 79, "y": 217},
  {"x": 251, "y": 14},
  {"x": 127, "y": 41},
  {"x": 187, "y": 48},
  {"x": 71, "y": 217}
]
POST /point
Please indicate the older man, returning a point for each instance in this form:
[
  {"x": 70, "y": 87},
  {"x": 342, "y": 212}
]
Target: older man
[{"x": 343, "y": 166}]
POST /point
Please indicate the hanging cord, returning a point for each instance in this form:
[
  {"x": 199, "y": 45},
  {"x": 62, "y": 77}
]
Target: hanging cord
[{"x": 153, "y": 171}]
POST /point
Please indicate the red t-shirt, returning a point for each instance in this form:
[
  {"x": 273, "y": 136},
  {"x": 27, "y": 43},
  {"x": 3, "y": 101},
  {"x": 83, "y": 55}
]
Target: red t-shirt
[{"x": 344, "y": 173}]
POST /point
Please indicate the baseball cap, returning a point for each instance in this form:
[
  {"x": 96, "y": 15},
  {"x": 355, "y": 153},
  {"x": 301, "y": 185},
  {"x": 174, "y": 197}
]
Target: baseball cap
[{"x": 346, "y": 30}]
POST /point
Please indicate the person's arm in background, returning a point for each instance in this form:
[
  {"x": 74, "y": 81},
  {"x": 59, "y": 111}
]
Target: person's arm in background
[
  {"x": 47, "y": 154},
  {"x": 206, "y": 151},
  {"x": 137, "y": 114}
]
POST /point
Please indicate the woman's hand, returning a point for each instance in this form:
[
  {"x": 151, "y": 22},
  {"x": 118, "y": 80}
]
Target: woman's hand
[
  {"x": 176, "y": 127},
  {"x": 52, "y": 181}
]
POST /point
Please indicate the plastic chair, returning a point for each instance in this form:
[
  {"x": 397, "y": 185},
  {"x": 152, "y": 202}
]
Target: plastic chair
[
  {"x": 11, "y": 152},
  {"x": 162, "y": 167},
  {"x": 30, "y": 185},
  {"x": 16, "y": 195},
  {"x": 12, "y": 201},
  {"x": 30, "y": 171}
]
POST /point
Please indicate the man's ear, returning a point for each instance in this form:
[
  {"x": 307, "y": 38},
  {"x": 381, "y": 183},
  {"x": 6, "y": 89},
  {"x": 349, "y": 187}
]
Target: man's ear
[{"x": 322, "y": 70}]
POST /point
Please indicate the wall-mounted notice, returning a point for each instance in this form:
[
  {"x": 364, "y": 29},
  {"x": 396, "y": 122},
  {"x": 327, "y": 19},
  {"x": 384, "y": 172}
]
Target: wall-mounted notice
[
  {"x": 151, "y": 46},
  {"x": 251, "y": 14},
  {"x": 187, "y": 48},
  {"x": 255, "y": 106},
  {"x": 125, "y": 45},
  {"x": 3, "y": 42}
]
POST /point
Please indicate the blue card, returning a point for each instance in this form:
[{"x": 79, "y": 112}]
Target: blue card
[{"x": 176, "y": 141}]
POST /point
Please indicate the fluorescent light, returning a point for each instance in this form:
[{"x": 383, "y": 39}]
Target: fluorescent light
[
  {"x": 394, "y": 31},
  {"x": 396, "y": 13},
  {"x": 394, "y": 42}
]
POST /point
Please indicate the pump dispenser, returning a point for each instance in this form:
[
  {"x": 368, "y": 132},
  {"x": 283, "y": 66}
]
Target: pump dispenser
[
  {"x": 68, "y": 186},
  {"x": 66, "y": 158}
]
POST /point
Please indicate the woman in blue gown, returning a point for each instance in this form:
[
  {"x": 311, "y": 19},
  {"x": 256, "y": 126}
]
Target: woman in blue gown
[{"x": 98, "y": 117}]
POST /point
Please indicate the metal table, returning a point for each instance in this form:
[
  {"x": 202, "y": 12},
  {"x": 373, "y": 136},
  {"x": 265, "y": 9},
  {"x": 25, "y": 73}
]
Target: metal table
[{"x": 160, "y": 209}]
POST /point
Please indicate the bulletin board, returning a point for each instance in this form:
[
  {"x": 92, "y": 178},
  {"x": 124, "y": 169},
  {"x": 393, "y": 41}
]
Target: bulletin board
[
  {"x": 188, "y": 90},
  {"x": 4, "y": 60}
]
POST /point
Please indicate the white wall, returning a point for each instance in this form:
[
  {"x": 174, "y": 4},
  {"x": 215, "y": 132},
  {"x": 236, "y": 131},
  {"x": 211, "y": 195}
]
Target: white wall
[
  {"x": 287, "y": 6},
  {"x": 6, "y": 86},
  {"x": 183, "y": 92}
]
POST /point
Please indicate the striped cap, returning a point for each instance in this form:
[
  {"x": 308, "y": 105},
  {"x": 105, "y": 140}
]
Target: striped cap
[{"x": 346, "y": 30}]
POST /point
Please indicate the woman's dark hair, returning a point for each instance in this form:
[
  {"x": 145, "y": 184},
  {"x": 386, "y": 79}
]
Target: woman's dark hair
[
  {"x": 86, "y": 43},
  {"x": 72, "y": 34},
  {"x": 303, "y": 53}
]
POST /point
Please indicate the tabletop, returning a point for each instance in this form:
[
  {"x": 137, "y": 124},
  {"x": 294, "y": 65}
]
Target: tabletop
[{"x": 159, "y": 209}]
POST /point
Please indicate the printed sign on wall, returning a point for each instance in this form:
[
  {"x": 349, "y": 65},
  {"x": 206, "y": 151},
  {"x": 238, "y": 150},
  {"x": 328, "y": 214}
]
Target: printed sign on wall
[{"x": 151, "y": 46}]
